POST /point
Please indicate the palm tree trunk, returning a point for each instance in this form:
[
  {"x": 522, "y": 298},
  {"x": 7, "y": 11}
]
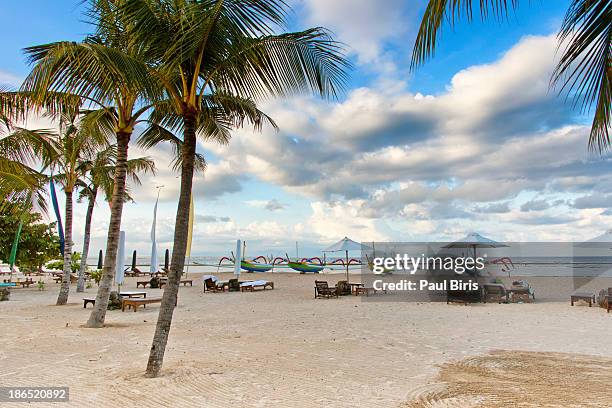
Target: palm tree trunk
[
  {"x": 62, "y": 298},
  {"x": 86, "y": 239},
  {"x": 96, "y": 319},
  {"x": 164, "y": 320}
]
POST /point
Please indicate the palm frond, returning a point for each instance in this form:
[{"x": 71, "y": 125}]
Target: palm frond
[
  {"x": 439, "y": 11},
  {"x": 585, "y": 68}
]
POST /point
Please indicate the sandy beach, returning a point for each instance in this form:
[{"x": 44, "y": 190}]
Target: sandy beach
[{"x": 282, "y": 348}]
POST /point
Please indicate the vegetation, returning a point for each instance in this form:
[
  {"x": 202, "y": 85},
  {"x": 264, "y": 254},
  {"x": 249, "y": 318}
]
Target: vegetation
[
  {"x": 584, "y": 69},
  {"x": 38, "y": 243}
]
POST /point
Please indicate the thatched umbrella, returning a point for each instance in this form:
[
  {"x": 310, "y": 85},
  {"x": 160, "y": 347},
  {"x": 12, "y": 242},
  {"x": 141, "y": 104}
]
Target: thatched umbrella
[{"x": 345, "y": 245}]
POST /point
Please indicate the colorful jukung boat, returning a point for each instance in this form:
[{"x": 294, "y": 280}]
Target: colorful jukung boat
[
  {"x": 255, "y": 267},
  {"x": 304, "y": 267}
]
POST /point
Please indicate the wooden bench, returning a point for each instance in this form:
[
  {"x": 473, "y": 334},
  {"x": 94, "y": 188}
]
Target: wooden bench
[
  {"x": 587, "y": 297},
  {"x": 143, "y": 283},
  {"x": 135, "y": 303},
  {"x": 88, "y": 300},
  {"x": 187, "y": 281}
]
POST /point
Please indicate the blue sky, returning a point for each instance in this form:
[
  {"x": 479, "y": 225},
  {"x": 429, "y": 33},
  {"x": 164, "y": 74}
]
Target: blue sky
[{"x": 472, "y": 140}]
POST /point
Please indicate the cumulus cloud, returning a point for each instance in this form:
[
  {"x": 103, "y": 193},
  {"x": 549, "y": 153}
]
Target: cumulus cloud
[{"x": 363, "y": 24}]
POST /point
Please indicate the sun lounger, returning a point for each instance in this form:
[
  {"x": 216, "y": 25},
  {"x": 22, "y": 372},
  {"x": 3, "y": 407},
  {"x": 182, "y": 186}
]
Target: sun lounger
[
  {"x": 212, "y": 286},
  {"x": 251, "y": 286},
  {"x": 135, "y": 303},
  {"x": 322, "y": 290},
  {"x": 521, "y": 291}
]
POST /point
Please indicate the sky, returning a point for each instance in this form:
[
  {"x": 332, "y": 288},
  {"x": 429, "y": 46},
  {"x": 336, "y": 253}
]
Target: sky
[{"x": 473, "y": 140}]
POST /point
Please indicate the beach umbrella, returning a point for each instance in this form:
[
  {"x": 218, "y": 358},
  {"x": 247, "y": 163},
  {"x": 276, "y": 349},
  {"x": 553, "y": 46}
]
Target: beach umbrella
[
  {"x": 167, "y": 259},
  {"x": 100, "y": 260},
  {"x": 134, "y": 260},
  {"x": 475, "y": 240},
  {"x": 345, "y": 245},
  {"x": 120, "y": 267}
]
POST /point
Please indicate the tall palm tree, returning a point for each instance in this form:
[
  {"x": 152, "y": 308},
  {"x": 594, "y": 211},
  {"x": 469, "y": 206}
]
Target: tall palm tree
[
  {"x": 107, "y": 71},
  {"x": 212, "y": 57},
  {"x": 584, "y": 69},
  {"x": 100, "y": 170},
  {"x": 73, "y": 144}
]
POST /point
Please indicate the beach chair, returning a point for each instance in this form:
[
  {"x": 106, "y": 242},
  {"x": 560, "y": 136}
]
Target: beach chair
[
  {"x": 522, "y": 292},
  {"x": 233, "y": 285},
  {"x": 212, "y": 286},
  {"x": 343, "y": 288},
  {"x": 322, "y": 290},
  {"x": 494, "y": 292},
  {"x": 608, "y": 302}
]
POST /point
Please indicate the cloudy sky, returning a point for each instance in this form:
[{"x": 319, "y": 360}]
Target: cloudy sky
[{"x": 472, "y": 141}]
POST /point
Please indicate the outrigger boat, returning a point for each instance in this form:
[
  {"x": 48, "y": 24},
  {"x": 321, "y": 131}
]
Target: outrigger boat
[{"x": 255, "y": 267}]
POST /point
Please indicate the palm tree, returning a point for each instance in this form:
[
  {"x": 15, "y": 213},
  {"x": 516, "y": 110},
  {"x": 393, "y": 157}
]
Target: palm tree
[
  {"x": 212, "y": 57},
  {"x": 72, "y": 146},
  {"x": 106, "y": 71},
  {"x": 100, "y": 170},
  {"x": 584, "y": 69}
]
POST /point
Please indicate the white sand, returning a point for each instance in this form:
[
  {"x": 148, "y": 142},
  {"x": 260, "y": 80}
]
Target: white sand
[{"x": 278, "y": 348}]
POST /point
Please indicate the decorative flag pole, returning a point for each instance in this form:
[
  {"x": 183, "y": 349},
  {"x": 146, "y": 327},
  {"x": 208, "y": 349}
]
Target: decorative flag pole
[
  {"x": 13, "y": 255},
  {"x": 237, "y": 259},
  {"x": 60, "y": 228},
  {"x": 154, "y": 263}
]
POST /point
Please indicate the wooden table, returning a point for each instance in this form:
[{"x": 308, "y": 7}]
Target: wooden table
[
  {"x": 586, "y": 296},
  {"x": 354, "y": 286},
  {"x": 134, "y": 294}
]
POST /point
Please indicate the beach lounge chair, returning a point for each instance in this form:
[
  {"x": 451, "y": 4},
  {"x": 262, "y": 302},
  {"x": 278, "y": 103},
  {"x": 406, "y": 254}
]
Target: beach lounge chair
[
  {"x": 522, "y": 292},
  {"x": 252, "y": 285},
  {"x": 494, "y": 292},
  {"x": 322, "y": 290},
  {"x": 212, "y": 286}
]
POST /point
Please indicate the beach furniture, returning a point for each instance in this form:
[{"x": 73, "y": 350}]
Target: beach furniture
[
  {"x": 521, "y": 291},
  {"x": 135, "y": 303},
  {"x": 586, "y": 296},
  {"x": 212, "y": 286},
  {"x": 186, "y": 281},
  {"x": 88, "y": 300},
  {"x": 494, "y": 292},
  {"x": 233, "y": 285},
  {"x": 133, "y": 294},
  {"x": 143, "y": 283},
  {"x": 609, "y": 300},
  {"x": 251, "y": 286},
  {"x": 322, "y": 289},
  {"x": 344, "y": 288}
]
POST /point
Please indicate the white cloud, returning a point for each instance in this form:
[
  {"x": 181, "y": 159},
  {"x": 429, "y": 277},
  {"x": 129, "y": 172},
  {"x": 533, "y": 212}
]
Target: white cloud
[{"x": 364, "y": 25}]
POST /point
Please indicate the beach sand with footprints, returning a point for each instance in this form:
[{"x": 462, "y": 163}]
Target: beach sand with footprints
[{"x": 282, "y": 348}]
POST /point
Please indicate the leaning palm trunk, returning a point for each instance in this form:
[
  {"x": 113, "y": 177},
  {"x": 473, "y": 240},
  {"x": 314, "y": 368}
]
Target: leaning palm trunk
[
  {"x": 86, "y": 239},
  {"x": 96, "y": 319},
  {"x": 62, "y": 298},
  {"x": 164, "y": 320}
]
